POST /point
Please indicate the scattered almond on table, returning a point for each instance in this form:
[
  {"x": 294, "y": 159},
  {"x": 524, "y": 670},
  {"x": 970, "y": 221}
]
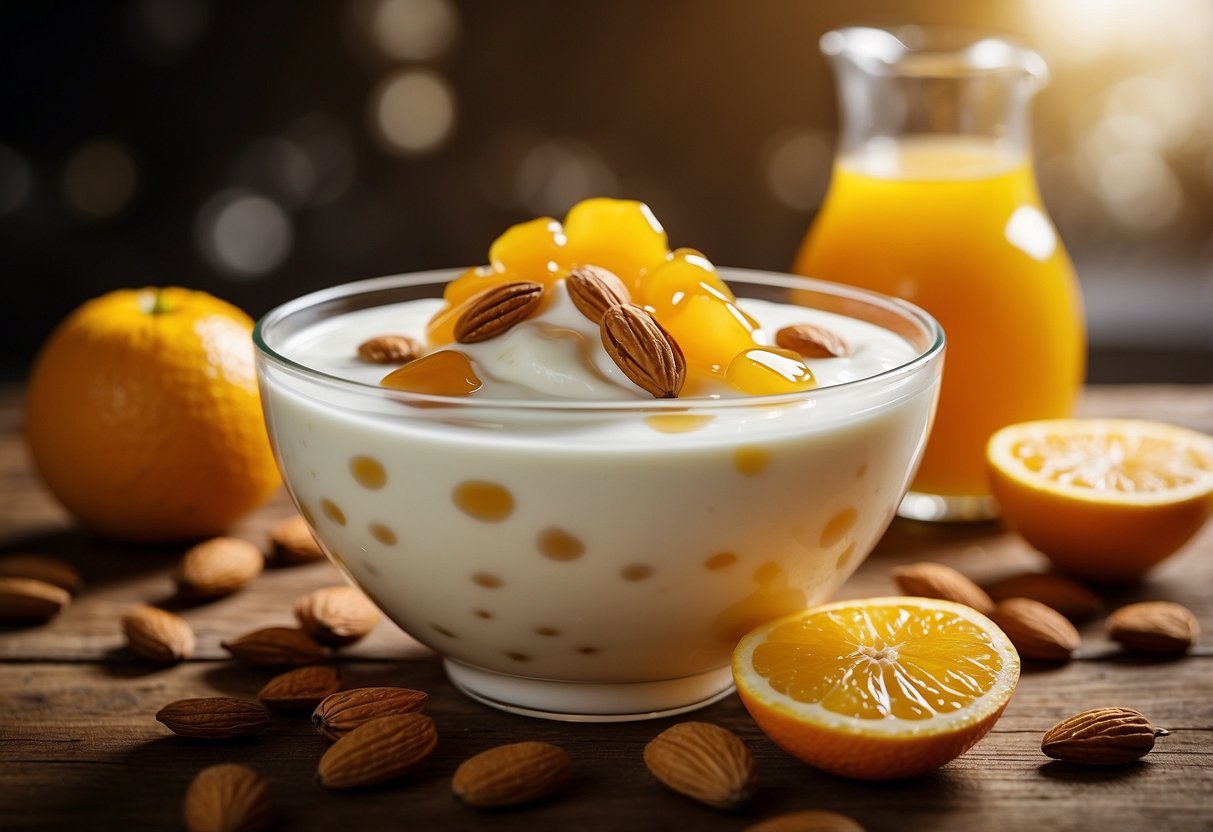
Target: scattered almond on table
[
  {"x": 336, "y": 616},
  {"x": 377, "y": 751},
  {"x": 218, "y": 567},
  {"x": 228, "y": 798},
  {"x": 292, "y": 543},
  {"x": 807, "y": 821},
  {"x": 157, "y": 635},
  {"x": 704, "y": 762},
  {"x": 935, "y": 580},
  {"x": 275, "y": 647},
  {"x": 1101, "y": 737},
  {"x": 47, "y": 568},
  {"x": 340, "y": 713},
  {"x": 1039, "y": 633},
  {"x": 300, "y": 690},
  {"x": 213, "y": 718},
  {"x": 30, "y": 601},
  {"x": 510, "y": 775},
  {"x": 1070, "y": 598},
  {"x": 1154, "y": 628}
]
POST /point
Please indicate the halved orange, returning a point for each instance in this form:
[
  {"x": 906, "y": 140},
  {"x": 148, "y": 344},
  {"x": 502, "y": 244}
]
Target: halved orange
[
  {"x": 877, "y": 688},
  {"x": 1104, "y": 499}
]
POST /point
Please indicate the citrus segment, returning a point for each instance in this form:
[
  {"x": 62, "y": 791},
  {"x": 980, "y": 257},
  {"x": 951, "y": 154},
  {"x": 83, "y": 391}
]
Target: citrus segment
[{"x": 877, "y": 688}]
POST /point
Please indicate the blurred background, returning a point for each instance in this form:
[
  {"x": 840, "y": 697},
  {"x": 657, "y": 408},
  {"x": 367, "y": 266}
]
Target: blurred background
[{"x": 262, "y": 150}]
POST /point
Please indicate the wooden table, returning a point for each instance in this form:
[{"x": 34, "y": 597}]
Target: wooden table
[{"x": 80, "y": 749}]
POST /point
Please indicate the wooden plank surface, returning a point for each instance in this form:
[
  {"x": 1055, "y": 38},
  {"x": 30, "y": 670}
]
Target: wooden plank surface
[{"x": 79, "y": 746}]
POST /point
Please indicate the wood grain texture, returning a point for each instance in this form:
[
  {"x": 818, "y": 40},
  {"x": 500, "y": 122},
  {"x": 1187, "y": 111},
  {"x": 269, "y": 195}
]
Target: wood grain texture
[{"x": 80, "y": 747}]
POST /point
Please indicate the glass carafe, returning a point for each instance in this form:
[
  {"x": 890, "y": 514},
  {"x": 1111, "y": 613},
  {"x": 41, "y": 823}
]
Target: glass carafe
[{"x": 933, "y": 199}]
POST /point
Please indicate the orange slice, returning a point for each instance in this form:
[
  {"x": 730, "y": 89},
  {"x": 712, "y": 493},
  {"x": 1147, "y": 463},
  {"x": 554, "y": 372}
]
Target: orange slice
[
  {"x": 1105, "y": 499},
  {"x": 877, "y": 688}
]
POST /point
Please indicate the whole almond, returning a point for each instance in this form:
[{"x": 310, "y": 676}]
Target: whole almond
[
  {"x": 340, "y": 713},
  {"x": 214, "y": 718},
  {"x": 292, "y": 543},
  {"x": 1154, "y": 628},
  {"x": 809, "y": 821},
  {"x": 30, "y": 601},
  {"x": 218, "y": 567},
  {"x": 389, "y": 349},
  {"x": 594, "y": 290},
  {"x": 1101, "y": 737},
  {"x": 811, "y": 341},
  {"x": 935, "y": 580},
  {"x": 704, "y": 762},
  {"x": 1038, "y": 632},
  {"x": 509, "y": 775},
  {"x": 157, "y": 635},
  {"x": 275, "y": 647},
  {"x": 380, "y": 750},
  {"x": 228, "y": 798},
  {"x": 301, "y": 689},
  {"x": 1070, "y": 598},
  {"x": 644, "y": 351},
  {"x": 496, "y": 310},
  {"x": 46, "y": 568},
  {"x": 336, "y": 615}
]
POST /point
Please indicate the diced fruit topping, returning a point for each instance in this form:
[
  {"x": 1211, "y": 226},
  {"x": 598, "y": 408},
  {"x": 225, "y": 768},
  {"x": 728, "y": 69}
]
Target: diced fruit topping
[
  {"x": 764, "y": 371},
  {"x": 531, "y": 250},
  {"x": 685, "y": 274},
  {"x": 442, "y": 373},
  {"x": 616, "y": 234}
]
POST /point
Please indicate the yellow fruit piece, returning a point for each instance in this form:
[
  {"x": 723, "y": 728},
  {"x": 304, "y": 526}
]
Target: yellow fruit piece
[
  {"x": 683, "y": 275},
  {"x": 877, "y": 688},
  {"x": 143, "y": 417},
  {"x": 1105, "y": 499},
  {"x": 533, "y": 250},
  {"x": 768, "y": 371},
  {"x": 711, "y": 331},
  {"x": 616, "y": 234}
]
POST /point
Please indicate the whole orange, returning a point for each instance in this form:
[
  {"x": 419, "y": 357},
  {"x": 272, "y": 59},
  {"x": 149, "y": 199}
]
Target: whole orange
[{"x": 143, "y": 416}]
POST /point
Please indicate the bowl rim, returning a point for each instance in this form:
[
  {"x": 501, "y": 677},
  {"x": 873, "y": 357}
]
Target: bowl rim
[{"x": 902, "y": 308}]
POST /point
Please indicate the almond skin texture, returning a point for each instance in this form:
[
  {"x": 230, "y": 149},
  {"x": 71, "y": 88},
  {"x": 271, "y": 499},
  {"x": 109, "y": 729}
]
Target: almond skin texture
[
  {"x": 594, "y": 291},
  {"x": 810, "y": 821},
  {"x": 509, "y": 775},
  {"x": 1070, "y": 598},
  {"x": 214, "y": 718},
  {"x": 811, "y": 341},
  {"x": 46, "y": 568},
  {"x": 300, "y": 690},
  {"x": 275, "y": 647},
  {"x": 218, "y": 567},
  {"x": 29, "y": 601},
  {"x": 644, "y": 351},
  {"x": 704, "y": 762},
  {"x": 340, "y": 713},
  {"x": 380, "y": 750},
  {"x": 292, "y": 543},
  {"x": 157, "y": 635},
  {"x": 389, "y": 349},
  {"x": 228, "y": 798},
  {"x": 1154, "y": 628},
  {"x": 496, "y": 310},
  {"x": 336, "y": 615},
  {"x": 1101, "y": 737},
  {"x": 1038, "y": 632},
  {"x": 934, "y": 580}
]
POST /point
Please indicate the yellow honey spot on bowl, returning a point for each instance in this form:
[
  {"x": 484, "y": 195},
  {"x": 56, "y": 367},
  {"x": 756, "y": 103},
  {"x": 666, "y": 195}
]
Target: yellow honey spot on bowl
[
  {"x": 306, "y": 514},
  {"x": 845, "y": 555},
  {"x": 676, "y": 422},
  {"x": 723, "y": 560},
  {"x": 485, "y": 614},
  {"x": 547, "y": 631},
  {"x": 332, "y": 511},
  {"x": 483, "y": 500},
  {"x": 838, "y": 525},
  {"x": 383, "y": 534},
  {"x": 636, "y": 572},
  {"x": 438, "y": 628},
  {"x": 751, "y": 461},
  {"x": 762, "y": 605},
  {"x": 587, "y": 650},
  {"x": 487, "y": 580},
  {"x": 768, "y": 573},
  {"x": 368, "y": 472},
  {"x": 558, "y": 544},
  {"x": 518, "y": 657}
]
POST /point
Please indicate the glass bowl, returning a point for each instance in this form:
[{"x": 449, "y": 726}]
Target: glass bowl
[{"x": 595, "y": 560}]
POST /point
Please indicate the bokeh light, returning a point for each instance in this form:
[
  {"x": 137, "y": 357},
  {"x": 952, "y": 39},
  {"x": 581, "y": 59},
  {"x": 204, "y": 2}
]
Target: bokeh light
[
  {"x": 330, "y": 151},
  {"x": 413, "y": 30},
  {"x": 279, "y": 168},
  {"x": 244, "y": 234},
  {"x": 164, "y": 30},
  {"x": 100, "y": 179},
  {"x": 797, "y": 166},
  {"x": 556, "y": 173},
  {"x": 413, "y": 112},
  {"x": 16, "y": 180}
]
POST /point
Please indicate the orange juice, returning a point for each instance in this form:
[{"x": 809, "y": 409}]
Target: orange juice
[{"x": 956, "y": 226}]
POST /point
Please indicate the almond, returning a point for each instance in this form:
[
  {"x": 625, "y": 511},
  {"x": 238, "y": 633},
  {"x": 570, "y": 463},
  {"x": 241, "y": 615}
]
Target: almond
[
  {"x": 704, "y": 762},
  {"x": 228, "y": 798},
  {"x": 158, "y": 635},
  {"x": 336, "y": 615},
  {"x": 389, "y": 349},
  {"x": 1038, "y": 632},
  {"x": 218, "y": 567},
  {"x": 1154, "y": 628},
  {"x": 509, "y": 775},
  {"x": 301, "y": 689},
  {"x": 496, "y": 310},
  {"x": 811, "y": 341},
  {"x": 644, "y": 351},
  {"x": 46, "y": 568},
  {"x": 809, "y": 821},
  {"x": 342, "y": 712},
  {"x": 594, "y": 291},
  {"x": 26, "y": 600},
  {"x": 1070, "y": 598},
  {"x": 380, "y": 750},
  {"x": 292, "y": 543},
  {"x": 934, "y": 580},
  {"x": 1101, "y": 737},
  {"x": 275, "y": 647},
  {"x": 214, "y": 718}
]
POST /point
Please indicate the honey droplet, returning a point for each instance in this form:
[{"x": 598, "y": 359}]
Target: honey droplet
[
  {"x": 838, "y": 526},
  {"x": 483, "y": 500},
  {"x": 487, "y": 580},
  {"x": 751, "y": 461},
  {"x": 677, "y": 422},
  {"x": 368, "y": 472},
  {"x": 547, "y": 631},
  {"x": 332, "y": 511},
  {"x": 485, "y": 614},
  {"x": 558, "y": 544},
  {"x": 636, "y": 572},
  {"x": 720, "y": 561},
  {"x": 383, "y": 534},
  {"x": 442, "y": 373}
]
